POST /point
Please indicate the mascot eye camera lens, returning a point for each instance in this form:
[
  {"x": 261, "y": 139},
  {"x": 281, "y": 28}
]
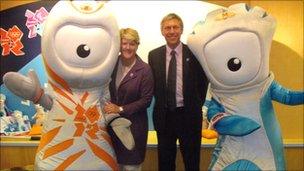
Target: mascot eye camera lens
[
  {"x": 83, "y": 51},
  {"x": 234, "y": 64}
]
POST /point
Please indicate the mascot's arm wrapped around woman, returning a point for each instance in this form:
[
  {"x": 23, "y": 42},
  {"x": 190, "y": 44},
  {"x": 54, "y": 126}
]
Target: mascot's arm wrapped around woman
[{"x": 228, "y": 124}]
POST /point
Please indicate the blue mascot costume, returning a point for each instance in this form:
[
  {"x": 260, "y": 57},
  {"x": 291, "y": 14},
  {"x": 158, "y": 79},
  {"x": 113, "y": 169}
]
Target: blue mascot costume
[{"x": 233, "y": 46}]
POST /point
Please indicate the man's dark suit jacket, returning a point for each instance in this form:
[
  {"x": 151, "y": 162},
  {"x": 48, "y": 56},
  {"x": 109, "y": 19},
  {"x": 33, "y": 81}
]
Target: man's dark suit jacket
[{"x": 195, "y": 85}]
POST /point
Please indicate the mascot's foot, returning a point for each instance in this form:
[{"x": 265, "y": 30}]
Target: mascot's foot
[
  {"x": 121, "y": 127},
  {"x": 242, "y": 165}
]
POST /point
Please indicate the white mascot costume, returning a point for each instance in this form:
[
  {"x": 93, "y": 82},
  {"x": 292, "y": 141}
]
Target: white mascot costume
[
  {"x": 80, "y": 45},
  {"x": 233, "y": 46}
]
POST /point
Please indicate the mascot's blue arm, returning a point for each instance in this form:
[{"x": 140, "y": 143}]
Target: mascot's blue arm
[
  {"x": 234, "y": 125},
  {"x": 286, "y": 96},
  {"x": 214, "y": 107}
]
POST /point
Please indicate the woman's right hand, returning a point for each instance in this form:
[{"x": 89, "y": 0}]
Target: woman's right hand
[{"x": 111, "y": 108}]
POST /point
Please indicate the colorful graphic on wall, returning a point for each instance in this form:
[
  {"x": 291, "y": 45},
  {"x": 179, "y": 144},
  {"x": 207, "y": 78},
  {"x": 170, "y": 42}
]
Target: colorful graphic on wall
[
  {"x": 20, "y": 32},
  {"x": 11, "y": 41},
  {"x": 35, "y": 21}
]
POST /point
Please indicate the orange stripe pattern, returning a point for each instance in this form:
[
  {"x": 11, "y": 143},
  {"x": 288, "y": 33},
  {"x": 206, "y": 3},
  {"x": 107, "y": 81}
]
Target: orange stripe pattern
[
  {"x": 48, "y": 137},
  {"x": 107, "y": 138},
  {"x": 60, "y": 92},
  {"x": 84, "y": 97},
  {"x": 79, "y": 129},
  {"x": 57, "y": 78},
  {"x": 69, "y": 161},
  {"x": 80, "y": 114},
  {"x": 58, "y": 148},
  {"x": 86, "y": 117},
  {"x": 103, "y": 155},
  {"x": 59, "y": 120},
  {"x": 66, "y": 109},
  {"x": 92, "y": 114},
  {"x": 92, "y": 131}
]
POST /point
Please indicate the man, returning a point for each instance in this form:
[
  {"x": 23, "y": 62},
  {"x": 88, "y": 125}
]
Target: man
[{"x": 180, "y": 87}]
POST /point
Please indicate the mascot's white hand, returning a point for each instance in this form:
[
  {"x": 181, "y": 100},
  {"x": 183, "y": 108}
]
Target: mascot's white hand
[
  {"x": 121, "y": 127},
  {"x": 26, "y": 87}
]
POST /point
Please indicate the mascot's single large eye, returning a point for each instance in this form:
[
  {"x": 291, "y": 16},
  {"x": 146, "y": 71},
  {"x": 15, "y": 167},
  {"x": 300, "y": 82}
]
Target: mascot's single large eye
[
  {"x": 83, "y": 51},
  {"x": 234, "y": 64},
  {"x": 82, "y": 47},
  {"x": 233, "y": 58}
]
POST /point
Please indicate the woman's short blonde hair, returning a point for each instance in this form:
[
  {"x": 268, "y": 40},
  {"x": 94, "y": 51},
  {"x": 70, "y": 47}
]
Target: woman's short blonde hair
[{"x": 130, "y": 34}]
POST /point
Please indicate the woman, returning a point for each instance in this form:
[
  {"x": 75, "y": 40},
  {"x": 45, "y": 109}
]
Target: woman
[{"x": 131, "y": 92}]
